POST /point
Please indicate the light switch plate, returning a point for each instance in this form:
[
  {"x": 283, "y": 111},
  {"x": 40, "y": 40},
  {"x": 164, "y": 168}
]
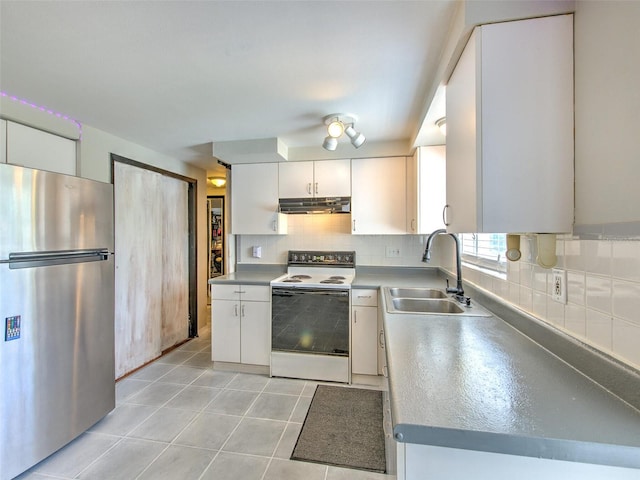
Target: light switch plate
[
  {"x": 559, "y": 285},
  {"x": 391, "y": 252}
]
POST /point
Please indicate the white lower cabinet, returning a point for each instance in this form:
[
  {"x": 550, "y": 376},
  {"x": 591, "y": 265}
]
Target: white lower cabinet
[
  {"x": 240, "y": 324},
  {"x": 364, "y": 331}
]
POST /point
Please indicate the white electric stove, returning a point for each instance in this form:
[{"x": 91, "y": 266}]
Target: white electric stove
[{"x": 310, "y": 316}]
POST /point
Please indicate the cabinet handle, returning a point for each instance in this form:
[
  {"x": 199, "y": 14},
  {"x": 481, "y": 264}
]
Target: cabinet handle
[
  {"x": 444, "y": 215},
  {"x": 235, "y": 310},
  {"x": 355, "y": 317},
  {"x": 413, "y": 224},
  {"x": 316, "y": 188},
  {"x": 242, "y": 310},
  {"x": 275, "y": 225},
  {"x": 381, "y": 339},
  {"x": 364, "y": 296},
  {"x": 354, "y": 225},
  {"x": 309, "y": 188}
]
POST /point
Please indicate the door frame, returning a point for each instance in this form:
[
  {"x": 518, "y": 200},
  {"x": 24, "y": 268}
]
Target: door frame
[{"x": 192, "y": 226}]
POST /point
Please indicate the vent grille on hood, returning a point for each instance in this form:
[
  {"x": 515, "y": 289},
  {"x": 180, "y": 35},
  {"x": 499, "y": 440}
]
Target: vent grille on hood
[{"x": 315, "y": 205}]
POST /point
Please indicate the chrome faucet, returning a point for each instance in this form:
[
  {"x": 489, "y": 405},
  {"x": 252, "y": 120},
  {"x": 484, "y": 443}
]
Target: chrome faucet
[{"x": 458, "y": 291}]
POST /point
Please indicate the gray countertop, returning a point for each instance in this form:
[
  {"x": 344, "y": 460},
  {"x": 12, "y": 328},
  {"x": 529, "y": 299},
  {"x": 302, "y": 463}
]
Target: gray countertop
[
  {"x": 251, "y": 275},
  {"x": 477, "y": 383}
]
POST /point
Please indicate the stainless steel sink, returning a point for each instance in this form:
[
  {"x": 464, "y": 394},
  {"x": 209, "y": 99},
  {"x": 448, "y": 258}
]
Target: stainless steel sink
[
  {"x": 428, "y": 301},
  {"x": 426, "y": 305},
  {"x": 417, "y": 293}
]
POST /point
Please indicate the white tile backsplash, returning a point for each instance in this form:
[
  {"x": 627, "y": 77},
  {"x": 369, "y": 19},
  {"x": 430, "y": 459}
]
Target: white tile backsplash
[
  {"x": 603, "y": 292},
  {"x": 626, "y": 341},
  {"x": 626, "y": 301},
  {"x": 625, "y": 262},
  {"x": 598, "y": 293},
  {"x": 599, "y": 329}
]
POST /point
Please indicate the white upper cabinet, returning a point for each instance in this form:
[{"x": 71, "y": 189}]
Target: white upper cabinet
[
  {"x": 329, "y": 178},
  {"x": 254, "y": 200},
  {"x": 510, "y": 129},
  {"x": 426, "y": 189},
  {"x": 378, "y": 199},
  {"x": 3, "y": 141},
  {"x": 33, "y": 148}
]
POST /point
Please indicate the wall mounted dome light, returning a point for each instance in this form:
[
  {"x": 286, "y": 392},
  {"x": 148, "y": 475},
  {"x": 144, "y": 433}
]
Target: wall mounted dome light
[
  {"x": 337, "y": 124},
  {"x": 217, "y": 181},
  {"x": 441, "y": 123}
]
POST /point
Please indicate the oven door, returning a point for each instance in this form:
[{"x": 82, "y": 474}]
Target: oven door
[{"x": 310, "y": 321}]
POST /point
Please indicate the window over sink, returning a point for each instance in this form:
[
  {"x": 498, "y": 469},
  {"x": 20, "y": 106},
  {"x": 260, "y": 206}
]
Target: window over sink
[{"x": 485, "y": 250}]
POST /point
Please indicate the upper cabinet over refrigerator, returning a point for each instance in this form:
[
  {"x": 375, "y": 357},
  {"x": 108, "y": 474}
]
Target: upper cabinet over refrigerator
[{"x": 510, "y": 129}]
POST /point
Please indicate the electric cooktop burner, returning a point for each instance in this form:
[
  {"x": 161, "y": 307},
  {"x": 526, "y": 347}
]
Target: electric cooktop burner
[{"x": 325, "y": 269}]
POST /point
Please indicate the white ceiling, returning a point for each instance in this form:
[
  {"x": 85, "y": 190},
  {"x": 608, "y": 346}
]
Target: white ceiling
[{"x": 180, "y": 77}]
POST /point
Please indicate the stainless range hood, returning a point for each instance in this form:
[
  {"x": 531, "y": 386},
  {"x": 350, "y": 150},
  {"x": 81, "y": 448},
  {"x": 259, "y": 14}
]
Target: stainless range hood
[{"x": 315, "y": 205}]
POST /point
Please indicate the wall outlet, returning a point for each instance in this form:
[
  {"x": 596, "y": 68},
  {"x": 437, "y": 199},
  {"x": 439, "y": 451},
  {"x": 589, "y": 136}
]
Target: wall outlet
[
  {"x": 256, "y": 252},
  {"x": 559, "y": 285},
  {"x": 392, "y": 252}
]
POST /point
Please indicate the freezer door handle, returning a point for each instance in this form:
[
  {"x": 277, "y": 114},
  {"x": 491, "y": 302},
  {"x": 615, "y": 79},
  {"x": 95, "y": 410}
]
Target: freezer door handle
[{"x": 59, "y": 257}]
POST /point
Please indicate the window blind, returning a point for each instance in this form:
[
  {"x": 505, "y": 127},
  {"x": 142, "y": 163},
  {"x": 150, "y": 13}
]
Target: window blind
[{"x": 486, "y": 250}]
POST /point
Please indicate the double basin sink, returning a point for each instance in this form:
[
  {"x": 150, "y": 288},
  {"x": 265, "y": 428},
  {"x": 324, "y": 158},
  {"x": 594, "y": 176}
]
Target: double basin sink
[{"x": 429, "y": 301}]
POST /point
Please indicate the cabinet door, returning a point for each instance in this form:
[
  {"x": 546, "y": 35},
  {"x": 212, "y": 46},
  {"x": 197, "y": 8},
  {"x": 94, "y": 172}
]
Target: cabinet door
[
  {"x": 225, "y": 331},
  {"x": 254, "y": 200},
  {"x": 463, "y": 166},
  {"x": 527, "y": 125},
  {"x": 431, "y": 188},
  {"x": 3, "y": 141},
  {"x": 332, "y": 178},
  {"x": 364, "y": 338},
  {"x": 378, "y": 196},
  {"x": 510, "y": 129},
  {"x": 255, "y": 333},
  {"x": 295, "y": 180},
  {"x": 412, "y": 193},
  {"x": 33, "y": 148}
]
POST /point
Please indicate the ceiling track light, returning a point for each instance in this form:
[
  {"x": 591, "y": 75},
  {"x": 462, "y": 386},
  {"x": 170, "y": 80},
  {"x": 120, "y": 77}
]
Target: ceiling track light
[{"x": 337, "y": 124}]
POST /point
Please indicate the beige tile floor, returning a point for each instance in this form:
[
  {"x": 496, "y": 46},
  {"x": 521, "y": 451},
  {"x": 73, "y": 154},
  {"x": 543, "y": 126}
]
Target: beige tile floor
[{"x": 179, "y": 419}]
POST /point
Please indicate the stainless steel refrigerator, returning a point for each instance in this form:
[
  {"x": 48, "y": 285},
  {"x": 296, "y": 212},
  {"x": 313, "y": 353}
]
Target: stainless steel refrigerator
[{"x": 57, "y": 312}]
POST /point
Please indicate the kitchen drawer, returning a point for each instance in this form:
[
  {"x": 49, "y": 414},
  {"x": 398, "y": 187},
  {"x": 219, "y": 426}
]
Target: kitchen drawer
[
  {"x": 364, "y": 297},
  {"x": 246, "y": 293},
  {"x": 225, "y": 292},
  {"x": 255, "y": 293}
]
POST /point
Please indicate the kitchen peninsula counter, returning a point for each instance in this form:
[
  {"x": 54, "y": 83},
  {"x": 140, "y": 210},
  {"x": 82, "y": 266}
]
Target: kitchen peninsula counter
[{"x": 477, "y": 383}]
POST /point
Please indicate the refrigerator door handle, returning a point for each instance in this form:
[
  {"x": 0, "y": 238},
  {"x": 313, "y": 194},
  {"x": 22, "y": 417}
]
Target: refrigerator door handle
[{"x": 60, "y": 257}]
